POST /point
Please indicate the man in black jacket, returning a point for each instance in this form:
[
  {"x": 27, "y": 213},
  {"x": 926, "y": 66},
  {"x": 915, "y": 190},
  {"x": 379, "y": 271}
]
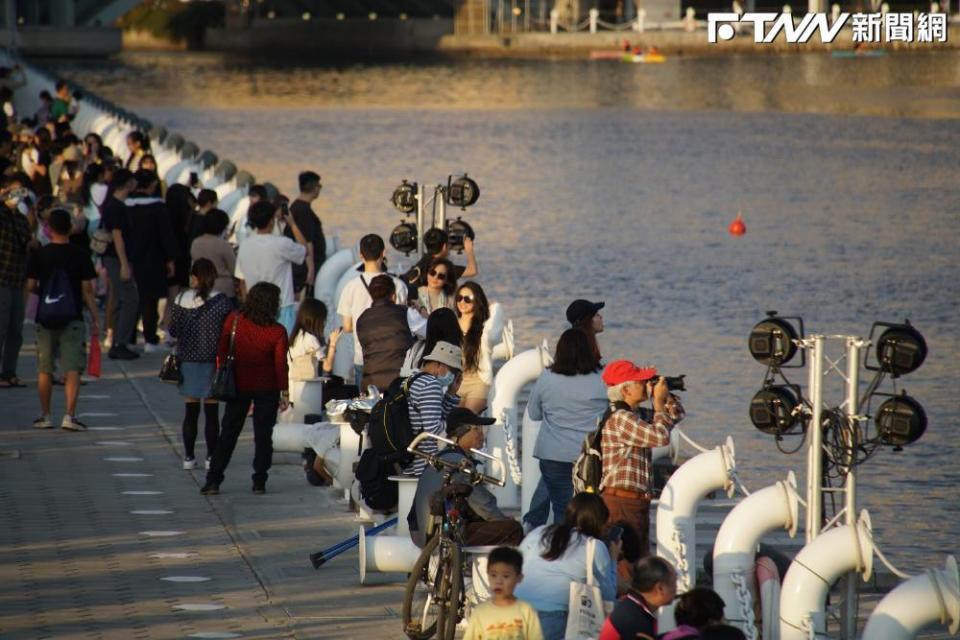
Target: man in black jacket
[{"x": 384, "y": 334}]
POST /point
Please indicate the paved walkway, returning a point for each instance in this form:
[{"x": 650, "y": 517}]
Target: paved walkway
[{"x": 103, "y": 534}]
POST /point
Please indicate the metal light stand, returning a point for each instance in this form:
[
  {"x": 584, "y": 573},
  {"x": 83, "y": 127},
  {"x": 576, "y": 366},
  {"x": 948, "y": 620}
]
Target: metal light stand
[
  {"x": 438, "y": 217},
  {"x": 815, "y": 453}
]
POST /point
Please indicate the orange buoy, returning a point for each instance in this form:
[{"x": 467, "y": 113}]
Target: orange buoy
[{"x": 737, "y": 227}]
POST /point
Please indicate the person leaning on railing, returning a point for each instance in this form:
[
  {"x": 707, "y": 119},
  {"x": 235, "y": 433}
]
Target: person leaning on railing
[{"x": 629, "y": 433}]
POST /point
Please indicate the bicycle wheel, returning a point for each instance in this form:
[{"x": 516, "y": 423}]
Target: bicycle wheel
[
  {"x": 453, "y": 594},
  {"x": 420, "y": 607}
]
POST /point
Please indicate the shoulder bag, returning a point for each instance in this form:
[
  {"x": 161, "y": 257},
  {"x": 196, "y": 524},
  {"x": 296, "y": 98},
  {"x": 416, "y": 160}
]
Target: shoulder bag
[
  {"x": 586, "y": 611},
  {"x": 224, "y": 387},
  {"x": 170, "y": 369}
]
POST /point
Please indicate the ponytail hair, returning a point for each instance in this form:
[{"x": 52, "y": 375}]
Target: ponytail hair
[{"x": 586, "y": 514}]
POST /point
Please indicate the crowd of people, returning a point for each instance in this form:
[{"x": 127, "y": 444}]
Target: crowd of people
[{"x": 84, "y": 228}]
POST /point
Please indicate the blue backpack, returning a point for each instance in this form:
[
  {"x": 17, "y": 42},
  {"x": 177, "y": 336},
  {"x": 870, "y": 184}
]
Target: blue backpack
[{"x": 57, "y": 306}]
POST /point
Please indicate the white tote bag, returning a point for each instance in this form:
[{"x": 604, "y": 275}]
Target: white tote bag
[{"x": 586, "y": 610}]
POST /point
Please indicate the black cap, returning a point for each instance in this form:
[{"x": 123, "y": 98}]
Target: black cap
[
  {"x": 459, "y": 420},
  {"x": 582, "y": 309}
]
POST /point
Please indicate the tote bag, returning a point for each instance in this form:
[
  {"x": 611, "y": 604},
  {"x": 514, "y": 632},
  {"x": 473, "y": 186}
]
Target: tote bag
[{"x": 586, "y": 610}]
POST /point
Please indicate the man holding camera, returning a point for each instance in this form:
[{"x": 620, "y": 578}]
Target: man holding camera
[{"x": 629, "y": 433}]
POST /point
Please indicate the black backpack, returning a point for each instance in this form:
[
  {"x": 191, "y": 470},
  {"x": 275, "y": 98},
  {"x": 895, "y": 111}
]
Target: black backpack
[
  {"x": 588, "y": 468},
  {"x": 390, "y": 433},
  {"x": 57, "y": 306}
]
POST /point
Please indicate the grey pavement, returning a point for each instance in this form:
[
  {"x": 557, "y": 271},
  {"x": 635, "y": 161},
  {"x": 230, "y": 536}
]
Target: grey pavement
[{"x": 103, "y": 534}]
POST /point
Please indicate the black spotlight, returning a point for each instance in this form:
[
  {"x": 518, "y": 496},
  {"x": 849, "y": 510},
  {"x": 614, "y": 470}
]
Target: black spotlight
[
  {"x": 457, "y": 231},
  {"x": 462, "y": 191},
  {"x": 403, "y": 238},
  {"x": 405, "y": 197},
  {"x": 773, "y": 409},
  {"x": 900, "y": 349},
  {"x": 900, "y": 421},
  {"x": 772, "y": 340}
]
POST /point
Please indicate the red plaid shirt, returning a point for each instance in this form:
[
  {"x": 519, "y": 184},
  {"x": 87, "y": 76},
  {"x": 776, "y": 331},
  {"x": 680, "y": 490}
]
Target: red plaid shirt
[{"x": 627, "y": 439}]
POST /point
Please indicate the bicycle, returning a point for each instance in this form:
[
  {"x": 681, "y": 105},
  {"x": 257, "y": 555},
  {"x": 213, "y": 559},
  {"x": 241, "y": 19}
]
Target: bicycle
[{"x": 434, "y": 602}]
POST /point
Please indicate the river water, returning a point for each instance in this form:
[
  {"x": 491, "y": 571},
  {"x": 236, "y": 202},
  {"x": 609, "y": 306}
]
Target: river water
[{"x": 617, "y": 182}]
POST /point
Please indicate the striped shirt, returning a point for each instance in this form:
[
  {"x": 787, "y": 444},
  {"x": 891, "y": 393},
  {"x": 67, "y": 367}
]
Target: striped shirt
[
  {"x": 627, "y": 439},
  {"x": 428, "y": 406}
]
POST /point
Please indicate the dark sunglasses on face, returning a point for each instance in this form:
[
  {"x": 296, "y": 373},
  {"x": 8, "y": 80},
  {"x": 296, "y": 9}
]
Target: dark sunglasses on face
[
  {"x": 467, "y": 299},
  {"x": 439, "y": 275}
]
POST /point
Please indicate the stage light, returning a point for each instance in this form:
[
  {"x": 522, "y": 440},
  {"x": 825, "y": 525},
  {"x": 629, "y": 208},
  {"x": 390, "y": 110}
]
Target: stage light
[
  {"x": 900, "y": 349},
  {"x": 462, "y": 191},
  {"x": 774, "y": 409},
  {"x": 900, "y": 421},
  {"x": 772, "y": 341},
  {"x": 405, "y": 197},
  {"x": 403, "y": 238},
  {"x": 457, "y": 231}
]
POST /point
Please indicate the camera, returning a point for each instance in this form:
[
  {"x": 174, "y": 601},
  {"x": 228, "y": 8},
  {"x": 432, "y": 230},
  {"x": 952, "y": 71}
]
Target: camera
[{"x": 674, "y": 383}]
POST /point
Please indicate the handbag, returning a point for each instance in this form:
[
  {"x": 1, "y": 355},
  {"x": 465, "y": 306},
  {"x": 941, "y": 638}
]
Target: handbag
[
  {"x": 586, "y": 610},
  {"x": 170, "y": 369},
  {"x": 224, "y": 387}
]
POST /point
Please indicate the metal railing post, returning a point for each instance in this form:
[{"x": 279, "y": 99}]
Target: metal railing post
[{"x": 815, "y": 451}]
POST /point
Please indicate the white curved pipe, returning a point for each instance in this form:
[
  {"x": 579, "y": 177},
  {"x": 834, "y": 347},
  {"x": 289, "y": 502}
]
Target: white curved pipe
[
  {"x": 329, "y": 276},
  {"x": 818, "y": 565},
  {"x": 677, "y": 514},
  {"x": 529, "y": 466},
  {"x": 348, "y": 274},
  {"x": 519, "y": 371},
  {"x": 289, "y": 437},
  {"x": 763, "y": 511},
  {"x": 306, "y": 397},
  {"x": 495, "y": 323},
  {"x": 930, "y": 598},
  {"x": 349, "y": 454},
  {"x": 386, "y": 554},
  {"x": 503, "y": 351}
]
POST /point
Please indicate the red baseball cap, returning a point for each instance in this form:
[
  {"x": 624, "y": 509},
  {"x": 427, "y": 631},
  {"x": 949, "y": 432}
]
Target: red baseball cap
[{"x": 620, "y": 371}]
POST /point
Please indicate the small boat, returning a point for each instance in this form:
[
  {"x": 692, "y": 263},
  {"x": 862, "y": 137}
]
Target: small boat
[
  {"x": 643, "y": 58},
  {"x": 607, "y": 54},
  {"x": 860, "y": 53}
]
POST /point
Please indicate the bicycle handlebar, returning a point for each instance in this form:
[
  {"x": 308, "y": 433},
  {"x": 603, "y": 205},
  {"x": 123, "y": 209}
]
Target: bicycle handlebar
[{"x": 465, "y": 465}]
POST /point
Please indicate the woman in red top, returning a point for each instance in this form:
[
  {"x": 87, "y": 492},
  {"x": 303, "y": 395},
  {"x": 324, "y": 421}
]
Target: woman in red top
[{"x": 260, "y": 370}]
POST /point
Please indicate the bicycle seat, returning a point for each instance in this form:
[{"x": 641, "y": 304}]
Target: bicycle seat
[{"x": 457, "y": 490}]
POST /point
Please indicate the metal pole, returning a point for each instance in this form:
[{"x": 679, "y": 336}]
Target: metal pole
[
  {"x": 815, "y": 451},
  {"x": 849, "y": 614},
  {"x": 420, "y": 221},
  {"x": 440, "y": 221}
]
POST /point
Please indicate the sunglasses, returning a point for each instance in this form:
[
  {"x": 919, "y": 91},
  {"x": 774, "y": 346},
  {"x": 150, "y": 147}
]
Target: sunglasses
[
  {"x": 439, "y": 275},
  {"x": 467, "y": 299}
]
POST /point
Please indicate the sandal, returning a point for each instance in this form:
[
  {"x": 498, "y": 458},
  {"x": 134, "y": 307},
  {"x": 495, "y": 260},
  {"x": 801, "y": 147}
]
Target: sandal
[{"x": 11, "y": 382}]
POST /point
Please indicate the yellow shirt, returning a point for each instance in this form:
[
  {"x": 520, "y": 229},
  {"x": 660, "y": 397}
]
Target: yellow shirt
[{"x": 518, "y": 621}]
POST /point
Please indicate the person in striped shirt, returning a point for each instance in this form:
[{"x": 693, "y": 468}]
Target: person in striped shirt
[{"x": 432, "y": 395}]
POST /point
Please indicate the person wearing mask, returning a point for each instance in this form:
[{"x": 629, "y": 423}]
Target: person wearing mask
[
  {"x": 585, "y": 315},
  {"x": 629, "y": 433},
  {"x": 115, "y": 218},
  {"x": 486, "y": 523},
  {"x": 62, "y": 275},
  {"x": 309, "y": 223},
  {"x": 439, "y": 290},
  {"x": 355, "y": 298},
  {"x": 138, "y": 145},
  {"x": 212, "y": 246},
  {"x": 568, "y": 398},
  {"x": 267, "y": 257},
  {"x": 384, "y": 334},
  {"x": 634, "y": 617},
  {"x": 473, "y": 311},
  {"x": 436, "y": 245},
  {"x": 556, "y": 555},
  {"x": 260, "y": 371},
  {"x": 432, "y": 395},
  {"x": 14, "y": 238},
  {"x": 196, "y": 323},
  {"x": 154, "y": 253}
]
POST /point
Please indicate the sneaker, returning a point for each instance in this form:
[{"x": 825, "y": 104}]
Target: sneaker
[
  {"x": 122, "y": 353},
  {"x": 207, "y": 463},
  {"x": 189, "y": 464},
  {"x": 72, "y": 424},
  {"x": 210, "y": 489},
  {"x": 43, "y": 422},
  {"x": 259, "y": 488},
  {"x": 149, "y": 347}
]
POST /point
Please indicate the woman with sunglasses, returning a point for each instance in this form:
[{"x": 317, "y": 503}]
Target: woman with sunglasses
[
  {"x": 473, "y": 312},
  {"x": 441, "y": 283}
]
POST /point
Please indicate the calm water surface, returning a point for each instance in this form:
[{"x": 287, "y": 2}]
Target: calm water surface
[{"x": 617, "y": 182}]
